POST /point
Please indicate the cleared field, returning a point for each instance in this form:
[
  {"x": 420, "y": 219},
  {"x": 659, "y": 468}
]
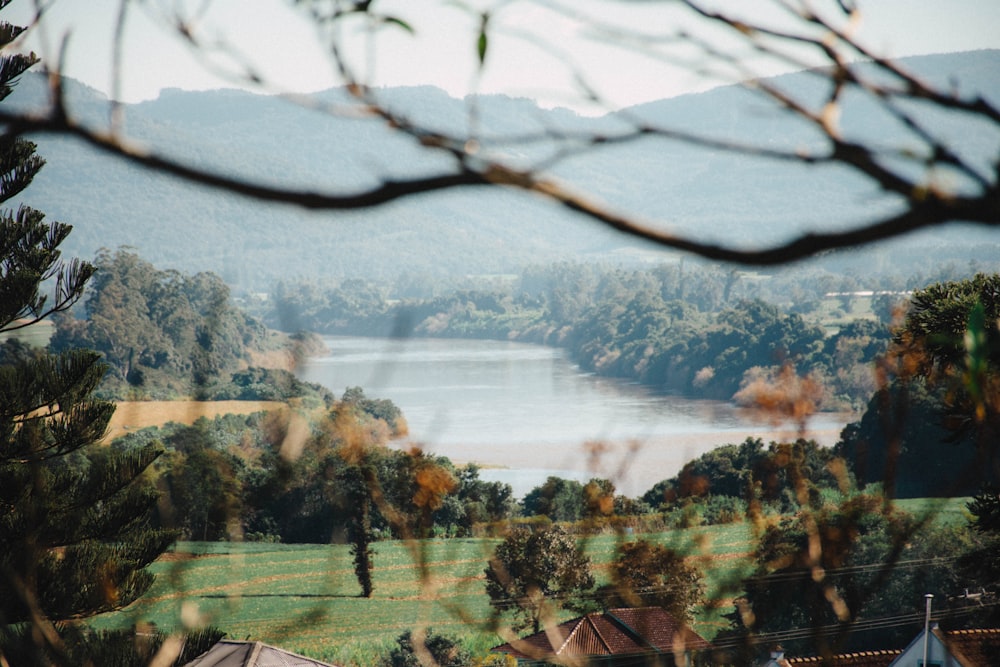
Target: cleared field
[
  {"x": 946, "y": 511},
  {"x": 305, "y": 597},
  {"x": 36, "y": 335},
  {"x": 135, "y": 415}
]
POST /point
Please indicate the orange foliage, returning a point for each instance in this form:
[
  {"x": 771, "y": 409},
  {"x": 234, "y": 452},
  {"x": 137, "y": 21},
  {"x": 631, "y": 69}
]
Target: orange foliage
[
  {"x": 433, "y": 484},
  {"x": 356, "y": 436},
  {"x": 787, "y": 397},
  {"x": 693, "y": 485}
]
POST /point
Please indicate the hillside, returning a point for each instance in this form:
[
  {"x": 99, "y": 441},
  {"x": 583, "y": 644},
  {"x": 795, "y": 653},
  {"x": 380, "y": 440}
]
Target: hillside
[{"x": 472, "y": 231}]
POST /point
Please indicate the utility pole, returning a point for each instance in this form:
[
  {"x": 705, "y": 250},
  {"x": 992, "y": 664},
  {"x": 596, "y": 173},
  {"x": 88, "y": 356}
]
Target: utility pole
[{"x": 927, "y": 625}]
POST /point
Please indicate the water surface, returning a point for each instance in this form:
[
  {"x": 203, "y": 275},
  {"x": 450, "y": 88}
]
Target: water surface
[{"x": 529, "y": 411}]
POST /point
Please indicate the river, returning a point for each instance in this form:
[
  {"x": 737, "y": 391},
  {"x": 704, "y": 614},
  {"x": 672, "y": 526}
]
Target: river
[{"x": 524, "y": 412}]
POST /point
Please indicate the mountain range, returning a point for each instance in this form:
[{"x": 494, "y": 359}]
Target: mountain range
[{"x": 713, "y": 193}]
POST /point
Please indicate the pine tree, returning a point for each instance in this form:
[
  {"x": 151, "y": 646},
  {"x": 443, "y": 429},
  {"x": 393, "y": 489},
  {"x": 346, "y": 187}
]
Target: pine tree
[
  {"x": 74, "y": 532},
  {"x": 359, "y": 480}
]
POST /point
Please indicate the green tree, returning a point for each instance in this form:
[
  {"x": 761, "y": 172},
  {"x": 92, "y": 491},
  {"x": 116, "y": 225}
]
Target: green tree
[
  {"x": 934, "y": 428},
  {"x": 533, "y": 570},
  {"x": 981, "y": 565},
  {"x": 480, "y": 502},
  {"x": 74, "y": 534},
  {"x": 825, "y": 580},
  {"x": 205, "y": 494},
  {"x": 558, "y": 499},
  {"x": 83, "y": 647},
  {"x": 951, "y": 335},
  {"x": 358, "y": 483},
  {"x": 120, "y": 317},
  {"x": 985, "y": 510},
  {"x": 645, "y": 574},
  {"x": 414, "y": 651},
  {"x": 161, "y": 332},
  {"x": 375, "y": 408},
  {"x": 791, "y": 473},
  {"x": 751, "y": 334}
]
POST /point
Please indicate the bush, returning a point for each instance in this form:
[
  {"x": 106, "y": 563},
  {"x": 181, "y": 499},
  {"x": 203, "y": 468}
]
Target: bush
[
  {"x": 716, "y": 510},
  {"x": 445, "y": 651}
]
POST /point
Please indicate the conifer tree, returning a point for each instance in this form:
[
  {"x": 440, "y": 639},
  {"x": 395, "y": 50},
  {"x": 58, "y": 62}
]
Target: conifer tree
[
  {"x": 359, "y": 481},
  {"x": 74, "y": 532}
]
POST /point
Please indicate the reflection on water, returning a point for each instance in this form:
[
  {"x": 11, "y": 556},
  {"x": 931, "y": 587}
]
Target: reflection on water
[{"x": 527, "y": 407}]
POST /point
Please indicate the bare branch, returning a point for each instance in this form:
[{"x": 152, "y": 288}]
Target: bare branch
[
  {"x": 930, "y": 213},
  {"x": 921, "y": 205}
]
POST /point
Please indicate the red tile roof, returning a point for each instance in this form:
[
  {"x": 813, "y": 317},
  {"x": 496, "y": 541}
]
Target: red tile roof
[
  {"x": 973, "y": 648},
  {"x": 859, "y": 659},
  {"x": 660, "y": 629},
  {"x": 970, "y": 648},
  {"x": 614, "y": 632}
]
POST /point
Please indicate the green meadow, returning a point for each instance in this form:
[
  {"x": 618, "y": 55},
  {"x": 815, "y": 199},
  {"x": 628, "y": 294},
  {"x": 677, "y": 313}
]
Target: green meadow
[{"x": 305, "y": 598}]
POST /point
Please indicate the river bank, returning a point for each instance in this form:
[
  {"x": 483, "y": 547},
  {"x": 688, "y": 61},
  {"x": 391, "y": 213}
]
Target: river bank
[
  {"x": 524, "y": 411},
  {"x": 634, "y": 465}
]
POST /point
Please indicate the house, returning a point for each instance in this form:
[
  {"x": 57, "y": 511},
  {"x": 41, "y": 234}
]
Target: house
[
  {"x": 953, "y": 648},
  {"x": 858, "y": 659},
  {"x": 633, "y": 636},
  {"x": 229, "y": 653}
]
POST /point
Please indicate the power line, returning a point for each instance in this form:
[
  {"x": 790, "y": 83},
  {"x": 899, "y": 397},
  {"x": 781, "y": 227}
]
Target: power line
[
  {"x": 861, "y": 625},
  {"x": 850, "y": 569}
]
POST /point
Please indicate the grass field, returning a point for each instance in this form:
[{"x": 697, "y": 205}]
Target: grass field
[
  {"x": 946, "y": 511},
  {"x": 305, "y": 598},
  {"x": 135, "y": 415},
  {"x": 36, "y": 335}
]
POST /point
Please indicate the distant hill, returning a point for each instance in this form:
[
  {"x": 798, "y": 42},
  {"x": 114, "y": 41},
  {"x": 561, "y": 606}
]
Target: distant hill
[{"x": 471, "y": 231}]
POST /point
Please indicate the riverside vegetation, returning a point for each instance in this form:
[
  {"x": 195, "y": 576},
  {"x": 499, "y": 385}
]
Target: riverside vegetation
[
  {"x": 320, "y": 471},
  {"x": 695, "y": 331},
  {"x": 261, "y": 478},
  {"x": 300, "y": 474}
]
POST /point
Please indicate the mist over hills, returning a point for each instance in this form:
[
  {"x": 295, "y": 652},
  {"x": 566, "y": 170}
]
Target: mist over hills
[{"x": 713, "y": 193}]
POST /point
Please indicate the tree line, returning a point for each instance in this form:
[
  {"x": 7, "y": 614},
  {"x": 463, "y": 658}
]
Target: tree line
[
  {"x": 162, "y": 333},
  {"x": 237, "y": 477},
  {"x": 694, "y": 331},
  {"x": 165, "y": 334},
  {"x": 280, "y": 477}
]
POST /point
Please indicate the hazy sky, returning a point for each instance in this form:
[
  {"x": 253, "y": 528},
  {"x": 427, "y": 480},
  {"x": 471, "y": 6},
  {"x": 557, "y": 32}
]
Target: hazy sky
[{"x": 289, "y": 50}]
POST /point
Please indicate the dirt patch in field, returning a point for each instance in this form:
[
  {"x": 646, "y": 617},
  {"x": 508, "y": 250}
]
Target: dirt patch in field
[
  {"x": 135, "y": 415},
  {"x": 175, "y": 556},
  {"x": 282, "y": 359}
]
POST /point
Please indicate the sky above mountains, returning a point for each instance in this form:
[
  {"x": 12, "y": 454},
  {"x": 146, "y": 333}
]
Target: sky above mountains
[{"x": 533, "y": 47}]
